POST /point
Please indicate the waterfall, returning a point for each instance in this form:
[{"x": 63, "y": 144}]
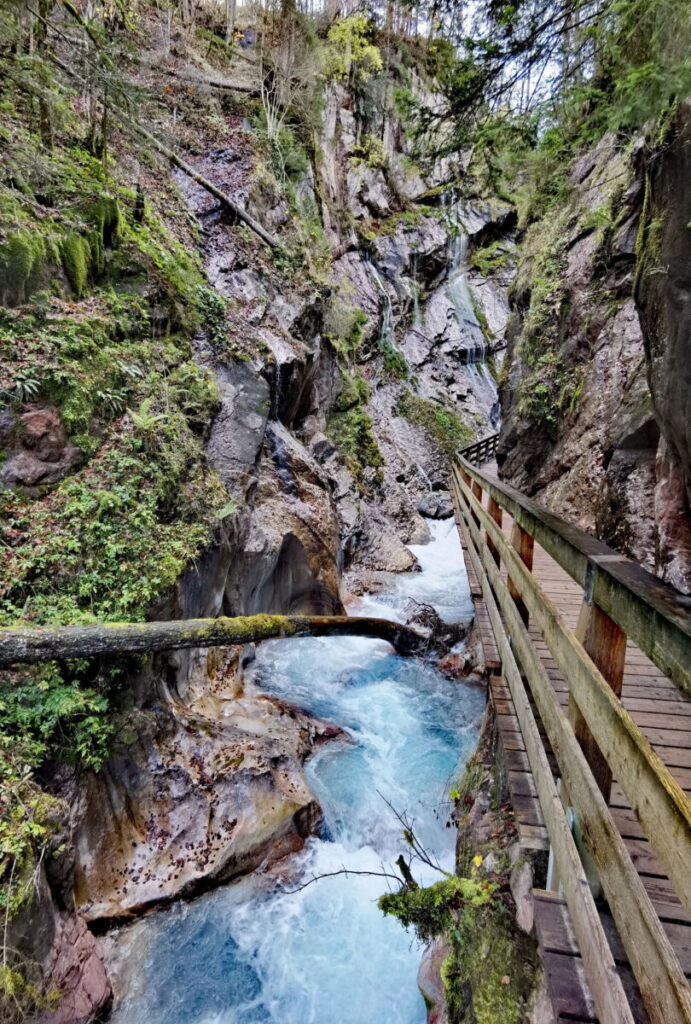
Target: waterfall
[
  {"x": 457, "y": 288},
  {"x": 285, "y": 473},
  {"x": 386, "y": 331}
]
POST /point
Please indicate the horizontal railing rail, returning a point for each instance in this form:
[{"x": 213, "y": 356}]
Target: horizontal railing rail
[
  {"x": 653, "y": 614},
  {"x": 598, "y": 738}
]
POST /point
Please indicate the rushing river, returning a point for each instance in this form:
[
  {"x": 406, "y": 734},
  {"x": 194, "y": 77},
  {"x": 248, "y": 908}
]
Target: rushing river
[{"x": 252, "y": 952}]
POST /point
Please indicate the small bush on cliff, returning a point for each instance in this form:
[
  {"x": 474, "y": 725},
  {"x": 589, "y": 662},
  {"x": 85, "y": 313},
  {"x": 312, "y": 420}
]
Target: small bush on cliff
[
  {"x": 350, "y": 52},
  {"x": 432, "y": 911},
  {"x": 350, "y": 426}
]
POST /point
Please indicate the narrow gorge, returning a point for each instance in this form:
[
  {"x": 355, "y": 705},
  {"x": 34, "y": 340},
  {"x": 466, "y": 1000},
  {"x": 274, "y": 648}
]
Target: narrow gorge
[{"x": 265, "y": 271}]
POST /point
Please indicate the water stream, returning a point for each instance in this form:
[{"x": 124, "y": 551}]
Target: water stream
[{"x": 253, "y": 952}]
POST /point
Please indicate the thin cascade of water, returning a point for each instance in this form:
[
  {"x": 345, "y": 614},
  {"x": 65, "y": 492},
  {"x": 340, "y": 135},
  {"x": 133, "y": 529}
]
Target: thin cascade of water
[
  {"x": 386, "y": 330},
  {"x": 285, "y": 473},
  {"x": 457, "y": 287}
]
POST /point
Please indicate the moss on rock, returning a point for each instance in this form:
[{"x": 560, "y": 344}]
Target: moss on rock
[
  {"x": 23, "y": 261},
  {"x": 76, "y": 262}
]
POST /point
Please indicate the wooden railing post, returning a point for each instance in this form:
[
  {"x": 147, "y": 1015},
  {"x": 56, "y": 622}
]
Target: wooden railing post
[
  {"x": 524, "y": 545},
  {"x": 605, "y": 643},
  {"x": 496, "y": 513},
  {"x": 477, "y": 493}
]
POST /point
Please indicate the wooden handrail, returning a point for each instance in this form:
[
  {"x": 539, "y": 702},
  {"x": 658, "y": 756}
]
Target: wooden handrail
[
  {"x": 481, "y": 451},
  {"x": 652, "y": 613},
  {"x": 662, "y": 808}
]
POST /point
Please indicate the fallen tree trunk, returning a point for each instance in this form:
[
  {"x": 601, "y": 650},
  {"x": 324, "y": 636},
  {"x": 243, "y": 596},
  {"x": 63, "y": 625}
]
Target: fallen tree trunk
[
  {"x": 62, "y": 642},
  {"x": 212, "y": 83},
  {"x": 187, "y": 169}
]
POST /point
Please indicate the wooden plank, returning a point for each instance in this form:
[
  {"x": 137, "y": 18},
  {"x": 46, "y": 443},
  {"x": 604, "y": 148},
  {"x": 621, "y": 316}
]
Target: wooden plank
[
  {"x": 662, "y": 806},
  {"x": 496, "y": 513},
  {"x": 533, "y": 837},
  {"x": 568, "y": 988},
  {"x": 524, "y": 545},
  {"x": 605, "y": 643},
  {"x": 664, "y": 988},
  {"x": 651, "y": 612},
  {"x": 608, "y": 993}
]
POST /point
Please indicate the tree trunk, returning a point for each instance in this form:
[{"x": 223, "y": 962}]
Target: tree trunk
[
  {"x": 63, "y": 642},
  {"x": 230, "y": 20},
  {"x": 200, "y": 179}
]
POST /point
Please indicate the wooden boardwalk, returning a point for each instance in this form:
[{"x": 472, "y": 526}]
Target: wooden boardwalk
[{"x": 661, "y": 710}]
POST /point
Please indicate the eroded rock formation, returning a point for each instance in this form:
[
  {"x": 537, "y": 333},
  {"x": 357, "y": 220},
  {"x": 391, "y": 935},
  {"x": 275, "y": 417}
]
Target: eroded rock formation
[{"x": 602, "y": 437}]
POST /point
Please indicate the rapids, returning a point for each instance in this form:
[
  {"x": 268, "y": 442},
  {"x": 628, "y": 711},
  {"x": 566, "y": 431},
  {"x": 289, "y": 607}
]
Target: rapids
[{"x": 255, "y": 951}]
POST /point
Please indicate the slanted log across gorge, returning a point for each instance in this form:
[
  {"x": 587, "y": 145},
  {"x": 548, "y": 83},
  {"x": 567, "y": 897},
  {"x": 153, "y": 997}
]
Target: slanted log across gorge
[{"x": 62, "y": 642}]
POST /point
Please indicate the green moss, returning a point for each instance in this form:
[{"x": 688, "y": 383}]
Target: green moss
[
  {"x": 345, "y": 329},
  {"x": 432, "y": 911},
  {"x": 443, "y": 423},
  {"x": 489, "y": 259},
  {"x": 76, "y": 261},
  {"x": 350, "y": 427},
  {"x": 22, "y": 265},
  {"x": 104, "y": 214},
  {"x": 393, "y": 363},
  {"x": 490, "y": 973}
]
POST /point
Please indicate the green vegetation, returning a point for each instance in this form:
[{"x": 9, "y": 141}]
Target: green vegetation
[
  {"x": 490, "y": 259},
  {"x": 100, "y": 298},
  {"x": 345, "y": 328},
  {"x": 443, "y": 423},
  {"x": 393, "y": 363},
  {"x": 491, "y": 966},
  {"x": 350, "y": 52},
  {"x": 433, "y": 910},
  {"x": 370, "y": 151},
  {"x": 350, "y": 427},
  {"x": 489, "y": 973}
]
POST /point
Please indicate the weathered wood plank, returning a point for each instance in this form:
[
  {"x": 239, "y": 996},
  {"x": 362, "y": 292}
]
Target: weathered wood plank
[
  {"x": 607, "y": 991},
  {"x": 662, "y": 806},
  {"x": 605, "y": 643},
  {"x": 664, "y": 988},
  {"x": 524, "y": 546}
]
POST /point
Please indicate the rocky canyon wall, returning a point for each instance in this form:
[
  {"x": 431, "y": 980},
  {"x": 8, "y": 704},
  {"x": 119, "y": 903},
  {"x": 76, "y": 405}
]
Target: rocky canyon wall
[{"x": 596, "y": 383}]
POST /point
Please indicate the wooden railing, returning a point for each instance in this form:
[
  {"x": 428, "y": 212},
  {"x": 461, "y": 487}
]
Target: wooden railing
[
  {"x": 481, "y": 451},
  {"x": 598, "y": 738}
]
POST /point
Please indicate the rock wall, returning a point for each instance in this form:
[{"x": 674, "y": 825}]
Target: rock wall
[
  {"x": 598, "y": 350},
  {"x": 339, "y": 404}
]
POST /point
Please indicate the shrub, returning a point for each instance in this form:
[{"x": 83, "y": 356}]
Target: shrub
[
  {"x": 443, "y": 423},
  {"x": 349, "y": 52}
]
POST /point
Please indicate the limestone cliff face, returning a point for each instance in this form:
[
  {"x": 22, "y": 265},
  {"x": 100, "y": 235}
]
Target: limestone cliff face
[{"x": 595, "y": 423}]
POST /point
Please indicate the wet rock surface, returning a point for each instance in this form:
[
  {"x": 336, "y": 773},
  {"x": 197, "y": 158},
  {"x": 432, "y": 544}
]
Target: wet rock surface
[
  {"x": 612, "y": 461},
  {"x": 194, "y": 796}
]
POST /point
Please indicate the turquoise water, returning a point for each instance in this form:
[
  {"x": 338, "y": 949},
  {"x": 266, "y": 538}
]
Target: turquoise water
[{"x": 255, "y": 952}]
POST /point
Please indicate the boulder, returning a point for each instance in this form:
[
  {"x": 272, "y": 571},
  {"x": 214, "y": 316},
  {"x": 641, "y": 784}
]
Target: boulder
[
  {"x": 436, "y": 505},
  {"x": 39, "y": 452},
  {"x": 194, "y": 796}
]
